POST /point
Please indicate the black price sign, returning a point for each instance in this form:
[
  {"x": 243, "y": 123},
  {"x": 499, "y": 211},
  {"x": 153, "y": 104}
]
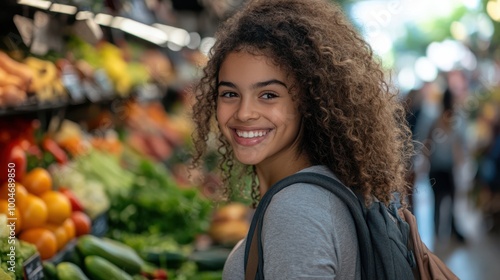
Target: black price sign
[{"x": 33, "y": 268}]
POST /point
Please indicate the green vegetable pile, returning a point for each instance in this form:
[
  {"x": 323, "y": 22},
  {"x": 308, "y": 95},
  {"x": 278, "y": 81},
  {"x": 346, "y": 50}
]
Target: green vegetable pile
[
  {"x": 156, "y": 205},
  {"x": 22, "y": 250}
]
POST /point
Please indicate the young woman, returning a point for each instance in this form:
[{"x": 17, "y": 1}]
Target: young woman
[{"x": 291, "y": 87}]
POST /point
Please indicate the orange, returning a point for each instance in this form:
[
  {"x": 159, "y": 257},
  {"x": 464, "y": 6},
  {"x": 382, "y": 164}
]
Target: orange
[
  {"x": 69, "y": 227},
  {"x": 34, "y": 213},
  {"x": 37, "y": 181},
  {"x": 58, "y": 206},
  {"x": 60, "y": 233},
  {"x": 18, "y": 193},
  {"x": 82, "y": 222},
  {"x": 44, "y": 240},
  {"x": 14, "y": 214}
]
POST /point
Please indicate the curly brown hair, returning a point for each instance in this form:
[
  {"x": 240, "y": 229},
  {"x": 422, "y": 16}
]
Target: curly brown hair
[{"x": 353, "y": 121}]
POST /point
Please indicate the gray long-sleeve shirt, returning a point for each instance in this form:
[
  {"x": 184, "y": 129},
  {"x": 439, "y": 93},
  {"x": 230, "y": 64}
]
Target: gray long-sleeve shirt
[{"x": 308, "y": 233}]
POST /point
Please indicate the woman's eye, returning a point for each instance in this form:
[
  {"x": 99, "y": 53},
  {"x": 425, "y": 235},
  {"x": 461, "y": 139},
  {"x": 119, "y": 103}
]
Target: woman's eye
[
  {"x": 228, "y": 94},
  {"x": 269, "y": 95}
]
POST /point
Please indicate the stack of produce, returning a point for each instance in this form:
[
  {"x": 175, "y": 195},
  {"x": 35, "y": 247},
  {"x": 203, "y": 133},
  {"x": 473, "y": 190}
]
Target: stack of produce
[
  {"x": 15, "y": 81},
  {"x": 29, "y": 77},
  {"x": 47, "y": 218},
  {"x": 20, "y": 251},
  {"x": 46, "y": 85},
  {"x": 101, "y": 259},
  {"x": 124, "y": 73}
]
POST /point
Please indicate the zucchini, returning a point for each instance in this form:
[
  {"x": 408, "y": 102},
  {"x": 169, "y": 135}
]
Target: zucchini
[
  {"x": 69, "y": 271},
  {"x": 102, "y": 269},
  {"x": 121, "y": 255}
]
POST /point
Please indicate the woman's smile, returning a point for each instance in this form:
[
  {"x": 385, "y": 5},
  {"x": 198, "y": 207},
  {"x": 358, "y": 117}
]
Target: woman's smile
[{"x": 250, "y": 137}]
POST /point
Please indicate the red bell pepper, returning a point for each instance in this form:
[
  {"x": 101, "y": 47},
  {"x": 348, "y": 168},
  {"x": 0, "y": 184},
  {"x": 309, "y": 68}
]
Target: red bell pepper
[
  {"x": 76, "y": 205},
  {"x": 52, "y": 147},
  {"x": 13, "y": 162}
]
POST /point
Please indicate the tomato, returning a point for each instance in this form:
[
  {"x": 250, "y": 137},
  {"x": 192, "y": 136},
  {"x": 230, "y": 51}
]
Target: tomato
[
  {"x": 13, "y": 214},
  {"x": 44, "y": 240},
  {"x": 76, "y": 205},
  {"x": 34, "y": 213},
  {"x": 37, "y": 181},
  {"x": 58, "y": 206},
  {"x": 14, "y": 191},
  {"x": 60, "y": 233},
  {"x": 83, "y": 224},
  {"x": 13, "y": 162}
]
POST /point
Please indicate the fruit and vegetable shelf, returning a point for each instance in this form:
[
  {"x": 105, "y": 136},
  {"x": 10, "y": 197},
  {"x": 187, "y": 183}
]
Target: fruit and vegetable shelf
[
  {"x": 101, "y": 183},
  {"x": 87, "y": 207}
]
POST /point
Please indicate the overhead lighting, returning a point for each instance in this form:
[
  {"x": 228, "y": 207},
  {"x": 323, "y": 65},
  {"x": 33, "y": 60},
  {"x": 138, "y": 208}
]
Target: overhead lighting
[
  {"x": 194, "y": 40},
  {"x": 41, "y": 4},
  {"x": 206, "y": 45},
  {"x": 103, "y": 19},
  {"x": 175, "y": 35},
  {"x": 141, "y": 30},
  {"x": 83, "y": 15},
  {"x": 63, "y": 9}
]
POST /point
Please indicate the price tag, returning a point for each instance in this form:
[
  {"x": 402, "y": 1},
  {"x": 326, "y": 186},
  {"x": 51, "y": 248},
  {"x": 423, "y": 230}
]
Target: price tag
[
  {"x": 72, "y": 83},
  {"x": 91, "y": 91},
  {"x": 25, "y": 27},
  {"x": 40, "y": 40},
  {"x": 148, "y": 92},
  {"x": 102, "y": 80},
  {"x": 88, "y": 30},
  {"x": 33, "y": 268},
  {"x": 100, "y": 225},
  {"x": 48, "y": 34}
]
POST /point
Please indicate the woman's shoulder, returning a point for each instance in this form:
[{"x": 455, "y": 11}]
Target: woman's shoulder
[{"x": 305, "y": 198}]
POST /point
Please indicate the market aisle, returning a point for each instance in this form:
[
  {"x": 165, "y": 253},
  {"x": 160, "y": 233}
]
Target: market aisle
[{"x": 478, "y": 259}]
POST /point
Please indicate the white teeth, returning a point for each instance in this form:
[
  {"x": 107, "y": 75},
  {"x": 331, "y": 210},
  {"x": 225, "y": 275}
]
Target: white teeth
[{"x": 251, "y": 134}]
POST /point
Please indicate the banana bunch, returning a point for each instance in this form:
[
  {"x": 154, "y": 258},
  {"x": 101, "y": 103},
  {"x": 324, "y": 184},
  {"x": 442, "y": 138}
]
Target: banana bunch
[{"x": 46, "y": 84}]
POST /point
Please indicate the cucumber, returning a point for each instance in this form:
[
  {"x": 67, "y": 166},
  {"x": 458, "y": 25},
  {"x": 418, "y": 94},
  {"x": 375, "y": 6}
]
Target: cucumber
[
  {"x": 69, "y": 271},
  {"x": 49, "y": 271},
  {"x": 102, "y": 269},
  {"x": 121, "y": 255}
]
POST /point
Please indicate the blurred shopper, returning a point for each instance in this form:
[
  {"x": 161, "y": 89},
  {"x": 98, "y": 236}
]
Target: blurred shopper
[
  {"x": 413, "y": 106},
  {"x": 489, "y": 179},
  {"x": 446, "y": 151}
]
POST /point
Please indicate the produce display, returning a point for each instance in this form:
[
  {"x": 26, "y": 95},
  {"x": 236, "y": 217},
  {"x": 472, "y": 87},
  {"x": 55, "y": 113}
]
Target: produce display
[
  {"x": 157, "y": 222},
  {"x": 96, "y": 141}
]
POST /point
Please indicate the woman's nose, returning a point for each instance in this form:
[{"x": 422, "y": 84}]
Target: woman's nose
[{"x": 247, "y": 110}]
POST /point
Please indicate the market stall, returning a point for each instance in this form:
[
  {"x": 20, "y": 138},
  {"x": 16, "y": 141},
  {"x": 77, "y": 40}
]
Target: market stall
[{"x": 94, "y": 138}]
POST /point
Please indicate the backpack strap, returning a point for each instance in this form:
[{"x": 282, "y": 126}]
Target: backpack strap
[{"x": 254, "y": 263}]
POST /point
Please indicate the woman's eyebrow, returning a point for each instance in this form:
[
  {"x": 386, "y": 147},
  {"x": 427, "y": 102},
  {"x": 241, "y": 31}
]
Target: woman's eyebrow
[
  {"x": 256, "y": 85},
  {"x": 270, "y": 82},
  {"x": 226, "y": 84}
]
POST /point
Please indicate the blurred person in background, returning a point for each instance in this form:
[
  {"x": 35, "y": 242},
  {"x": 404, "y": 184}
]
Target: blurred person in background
[
  {"x": 489, "y": 178},
  {"x": 413, "y": 107},
  {"x": 445, "y": 149}
]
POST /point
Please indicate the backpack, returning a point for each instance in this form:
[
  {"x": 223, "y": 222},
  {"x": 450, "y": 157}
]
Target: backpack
[{"x": 387, "y": 247}]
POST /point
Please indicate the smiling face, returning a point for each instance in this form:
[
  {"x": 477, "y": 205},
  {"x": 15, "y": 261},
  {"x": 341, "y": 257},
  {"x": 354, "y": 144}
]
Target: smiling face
[{"x": 255, "y": 111}]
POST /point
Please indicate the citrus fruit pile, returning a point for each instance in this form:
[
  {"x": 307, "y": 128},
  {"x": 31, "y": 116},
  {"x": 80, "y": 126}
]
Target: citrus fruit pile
[{"x": 42, "y": 215}]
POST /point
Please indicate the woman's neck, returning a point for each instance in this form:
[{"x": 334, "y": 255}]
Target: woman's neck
[{"x": 270, "y": 173}]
